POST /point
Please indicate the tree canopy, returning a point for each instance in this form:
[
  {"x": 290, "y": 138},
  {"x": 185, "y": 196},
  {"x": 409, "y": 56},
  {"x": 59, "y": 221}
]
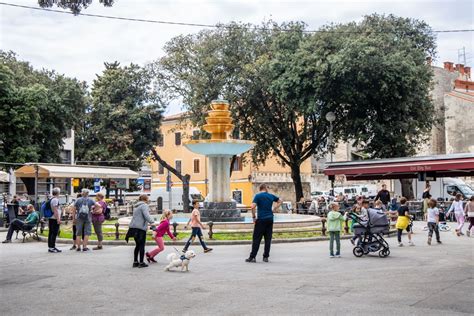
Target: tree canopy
[
  {"x": 37, "y": 108},
  {"x": 76, "y": 6}
]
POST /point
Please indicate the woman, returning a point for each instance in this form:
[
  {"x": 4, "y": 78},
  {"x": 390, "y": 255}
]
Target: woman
[
  {"x": 469, "y": 209},
  {"x": 98, "y": 219},
  {"x": 457, "y": 208},
  {"x": 137, "y": 230}
]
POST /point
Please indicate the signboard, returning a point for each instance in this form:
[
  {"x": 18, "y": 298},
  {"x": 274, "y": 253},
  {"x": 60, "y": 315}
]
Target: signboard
[
  {"x": 76, "y": 182},
  {"x": 147, "y": 185},
  {"x": 237, "y": 196},
  {"x": 96, "y": 185},
  {"x": 119, "y": 183}
]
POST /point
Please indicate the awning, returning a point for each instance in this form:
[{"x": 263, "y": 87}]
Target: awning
[
  {"x": 75, "y": 171},
  {"x": 455, "y": 165},
  {"x": 4, "y": 176}
]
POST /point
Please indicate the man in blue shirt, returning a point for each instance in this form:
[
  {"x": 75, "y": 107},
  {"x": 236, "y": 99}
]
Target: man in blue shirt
[{"x": 266, "y": 204}]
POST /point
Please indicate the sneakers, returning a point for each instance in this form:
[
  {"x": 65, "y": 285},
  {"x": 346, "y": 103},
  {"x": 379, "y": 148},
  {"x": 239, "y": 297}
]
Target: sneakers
[
  {"x": 458, "y": 233},
  {"x": 400, "y": 244},
  {"x": 429, "y": 241},
  {"x": 54, "y": 250},
  {"x": 265, "y": 259},
  {"x": 207, "y": 250},
  {"x": 73, "y": 247},
  {"x": 332, "y": 256},
  {"x": 439, "y": 242},
  {"x": 338, "y": 255},
  {"x": 411, "y": 244},
  {"x": 142, "y": 265},
  {"x": 252, "y": 260},
  {"x": 6, "y": 241},
  {"x": 86, "y": 249},
  {"x": 78, "y": 248},
  {"x": 135, "y": 265}
]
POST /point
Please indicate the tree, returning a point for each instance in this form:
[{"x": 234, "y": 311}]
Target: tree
[
  {"x": 380, "y": 80},
  {"x": 76, "y": 6},
  {"x": 266, "y": 73},
  {"x": 123, "y": 120},
  {"x": 37, "y": 109}
]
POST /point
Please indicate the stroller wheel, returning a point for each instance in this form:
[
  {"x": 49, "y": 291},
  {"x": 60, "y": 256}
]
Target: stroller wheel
[
  {"x": 384, "y": 253},
  {"x": 358, "y": 252},
  {"x": 387, "y": 252}
]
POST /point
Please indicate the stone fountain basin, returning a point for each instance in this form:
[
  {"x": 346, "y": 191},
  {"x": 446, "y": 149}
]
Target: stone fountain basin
[{"x": 210, "y": 147}]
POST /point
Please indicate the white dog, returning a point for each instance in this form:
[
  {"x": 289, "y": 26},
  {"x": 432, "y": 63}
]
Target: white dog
[{"x": 182, "y": 261}]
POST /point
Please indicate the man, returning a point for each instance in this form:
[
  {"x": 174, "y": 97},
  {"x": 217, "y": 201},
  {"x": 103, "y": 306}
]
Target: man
[
  {"x": 83, "y": 210},
  {"x": 16, "y": 224},
  {"x": 266, "y": 204},
  {"x": 54, "y": 222},
  {"x": 383, "y": 195}
]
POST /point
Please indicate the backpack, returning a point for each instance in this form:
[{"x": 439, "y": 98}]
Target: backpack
[
  {"x": 46, "y": 209},
  {"x": 83, "y": 213}
]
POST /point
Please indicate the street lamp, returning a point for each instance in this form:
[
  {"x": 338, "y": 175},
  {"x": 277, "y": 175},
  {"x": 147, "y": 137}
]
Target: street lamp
[{"x": 331, "y": 117}]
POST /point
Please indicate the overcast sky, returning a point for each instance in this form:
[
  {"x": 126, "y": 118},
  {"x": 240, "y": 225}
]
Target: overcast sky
[{"x": 78, "y": 46}]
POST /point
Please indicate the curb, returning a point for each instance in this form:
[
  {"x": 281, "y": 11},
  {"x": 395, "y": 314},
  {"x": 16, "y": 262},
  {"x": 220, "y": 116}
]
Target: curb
[{"x": 210, "y": 242}]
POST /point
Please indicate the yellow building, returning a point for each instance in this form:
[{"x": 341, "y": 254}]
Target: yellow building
[{"x": 245, "y": 177}]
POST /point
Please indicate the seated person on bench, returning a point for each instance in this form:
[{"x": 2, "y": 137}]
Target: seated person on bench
[{"x": 29, "y": 223}]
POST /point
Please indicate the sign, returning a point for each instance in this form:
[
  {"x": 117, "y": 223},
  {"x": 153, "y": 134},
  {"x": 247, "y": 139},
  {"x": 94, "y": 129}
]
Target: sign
[
  {"x": 75, "y": 182},
  {"x": 119, "y": 183},
  {"x": 96, "y": 185},
  {"x": 147, "y": 185},
  {"x": 237, "y": 196}
]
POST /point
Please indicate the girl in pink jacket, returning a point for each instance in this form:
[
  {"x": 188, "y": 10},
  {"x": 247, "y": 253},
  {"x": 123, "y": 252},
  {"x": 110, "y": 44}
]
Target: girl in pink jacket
[{"x": 160, "y": 231}]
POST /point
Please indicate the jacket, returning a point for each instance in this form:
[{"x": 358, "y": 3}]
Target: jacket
[
  {"x": 141, "y": 216},
  {"x": 164, "y": 228},
  {"x": 335, "y": 220}
]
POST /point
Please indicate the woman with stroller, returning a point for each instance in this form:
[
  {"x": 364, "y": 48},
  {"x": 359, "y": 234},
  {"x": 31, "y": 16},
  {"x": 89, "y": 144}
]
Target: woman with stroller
[{"x": 404, "y": 222}]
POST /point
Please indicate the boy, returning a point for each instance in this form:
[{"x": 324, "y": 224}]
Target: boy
[
  {"x": 335, "y": 220},
  {"x": 433, "y": 220},
  {"x": 196, "y": 227}
]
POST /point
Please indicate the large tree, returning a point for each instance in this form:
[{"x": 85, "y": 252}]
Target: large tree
[
  {"x": 267, "y": 73},
  {"x": 76, "y": 6},
  {"x": 37, "y": 108},
  {"x": 376, "y": 71}
]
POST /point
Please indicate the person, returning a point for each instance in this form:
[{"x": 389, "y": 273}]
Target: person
[
  {"x": 404, "y": 222},
  {"x": 16, "y": 224},
  {"x": 314, "y": 205},
  {"x": 364, "y": 210},
  {"x": 98, "y": 218},
  {"x": 426, "y": 197},
  {"x": 160, "y": 231},
  {"x": 469, "y": 210},
  {"x": 16, "y": 206},
  {"x": 383, "y": 195},
  {"x": 54, "y": 222},
  {"x": 83, "y": 213},
  {"x": 301, "y": 206},
  {"x": 432, "y": 219},
  {"x": 266, "y": 204},
  {"x": 457, "y": 207},
  {"x": 378, "y": 205},
  {"x": 335, "y": 220},
  {"x": 72, "y": 215},
  {"x": 137, "y": 229},
  {"x": 196, "y": 228}
]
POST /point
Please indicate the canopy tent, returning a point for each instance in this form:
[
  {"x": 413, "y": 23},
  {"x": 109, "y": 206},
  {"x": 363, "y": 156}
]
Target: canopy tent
[
  {"x": 4, "y": 176},
  {"x": 454, "y": 165},
  {"x": 74, "y": 171}
]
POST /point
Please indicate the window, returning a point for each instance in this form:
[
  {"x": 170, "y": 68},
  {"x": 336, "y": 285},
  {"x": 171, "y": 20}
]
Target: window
[
  {"x": 66, "y": 156},
  {"x": 196, "y": 163},
  {"x": 161, "y": 142},
  {"x": 178, "y": 165},
  {"x": 195, "y": 135},
  {"x": 177, "y": 138},
  {"x": 161, "y": 169},
  {"x": 237, "y": 165}
]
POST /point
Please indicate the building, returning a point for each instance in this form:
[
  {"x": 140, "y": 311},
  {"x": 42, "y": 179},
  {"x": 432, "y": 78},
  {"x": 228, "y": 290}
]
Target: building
[{"x": 246, "y": 177}]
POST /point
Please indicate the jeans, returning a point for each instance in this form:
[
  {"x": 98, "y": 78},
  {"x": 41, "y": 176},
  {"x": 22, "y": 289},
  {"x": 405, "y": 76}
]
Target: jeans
[
  {"x": 161, "y": 246},
  {"x": 53, "y": 232},
  {"x": 263, "y": 228},
  {"x": 433, "y": 227},
  {"x": 140, "y": 240},
  {"x": 337, "y": 237},
  {"x": 16, "y": 224},
  {"x": 196, "y": 231}
]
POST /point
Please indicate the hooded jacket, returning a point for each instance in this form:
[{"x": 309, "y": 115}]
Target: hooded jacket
[
  {"x": 335, "y": 220},
  {"x": 141, "y": 215}
]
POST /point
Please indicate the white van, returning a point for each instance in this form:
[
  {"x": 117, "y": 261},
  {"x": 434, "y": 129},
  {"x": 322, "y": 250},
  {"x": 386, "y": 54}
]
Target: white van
[
  {"x": 350, "y": 192},
  {"x": 162, "y": 198}
]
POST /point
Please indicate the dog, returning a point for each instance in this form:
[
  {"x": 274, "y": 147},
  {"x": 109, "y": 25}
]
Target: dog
[{"x": 175, "y": 260}]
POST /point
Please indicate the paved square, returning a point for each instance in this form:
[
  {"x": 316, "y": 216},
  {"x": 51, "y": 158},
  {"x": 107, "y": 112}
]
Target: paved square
[{"x": 300, "y": 279}]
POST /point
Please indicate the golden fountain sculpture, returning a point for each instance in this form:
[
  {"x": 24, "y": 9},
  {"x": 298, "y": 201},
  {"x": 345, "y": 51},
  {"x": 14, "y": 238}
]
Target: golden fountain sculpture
[{"x": 219, "y": 150}]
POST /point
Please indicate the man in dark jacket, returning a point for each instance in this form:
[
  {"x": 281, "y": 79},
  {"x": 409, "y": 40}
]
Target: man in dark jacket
[{"x": 383, "y": 195}]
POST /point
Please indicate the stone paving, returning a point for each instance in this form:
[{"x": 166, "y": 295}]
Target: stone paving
[{"x": 300, "y": 279}]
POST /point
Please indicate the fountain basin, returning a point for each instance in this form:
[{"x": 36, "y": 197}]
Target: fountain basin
[{"x": 211, "y": 147}]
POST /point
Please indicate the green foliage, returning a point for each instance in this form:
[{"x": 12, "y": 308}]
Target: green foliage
[
  {"x": 76, "y": 6},
  {"x": 37, "y": 109},
  {"x": 123, "y": 120}
]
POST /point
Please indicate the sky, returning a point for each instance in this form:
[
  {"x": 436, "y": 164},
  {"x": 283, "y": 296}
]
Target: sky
[{"x": 78, "y": 46}]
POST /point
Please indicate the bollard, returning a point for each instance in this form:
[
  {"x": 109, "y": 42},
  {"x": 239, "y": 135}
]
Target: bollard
[
  {"x": 117, "y": 234},
  {"x": 323, "y": 229},
  {"x": 210, "y": 224},
  {"x": 346, "y": 227},
  {"x": 175, "y": 233}
]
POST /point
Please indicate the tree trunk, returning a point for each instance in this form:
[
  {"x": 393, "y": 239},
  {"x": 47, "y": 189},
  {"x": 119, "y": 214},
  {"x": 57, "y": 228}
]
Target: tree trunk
[
  {"x": 186, "y": 201},
  {"x": 296, "y": 177},
  {"x": 407, "y": 188}
]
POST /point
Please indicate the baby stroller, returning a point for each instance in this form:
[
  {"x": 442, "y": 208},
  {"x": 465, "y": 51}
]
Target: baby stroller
[{"x": 370, "y": 233}]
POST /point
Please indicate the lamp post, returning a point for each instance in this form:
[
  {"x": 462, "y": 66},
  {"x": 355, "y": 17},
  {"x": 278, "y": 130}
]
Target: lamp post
[{"x": 331, "y": 117}]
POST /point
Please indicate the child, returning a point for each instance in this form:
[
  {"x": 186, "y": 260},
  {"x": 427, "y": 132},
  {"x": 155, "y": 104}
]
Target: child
[
  {"x": 469, "y": 209},
  {"x": 353, "y": 215},
  {"x": 196, "y": 226},
  {"x": 433, "y": 220},
  {"x": 457, "y": 207},
  {"x": 160, "y": 231},
  {"x": 335, "y": 220},
  {"x": 403, "y": 222}
]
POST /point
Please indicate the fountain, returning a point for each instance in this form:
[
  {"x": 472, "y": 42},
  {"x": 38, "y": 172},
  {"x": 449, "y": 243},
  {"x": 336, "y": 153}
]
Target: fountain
[{"x": 219, "y": 149}]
